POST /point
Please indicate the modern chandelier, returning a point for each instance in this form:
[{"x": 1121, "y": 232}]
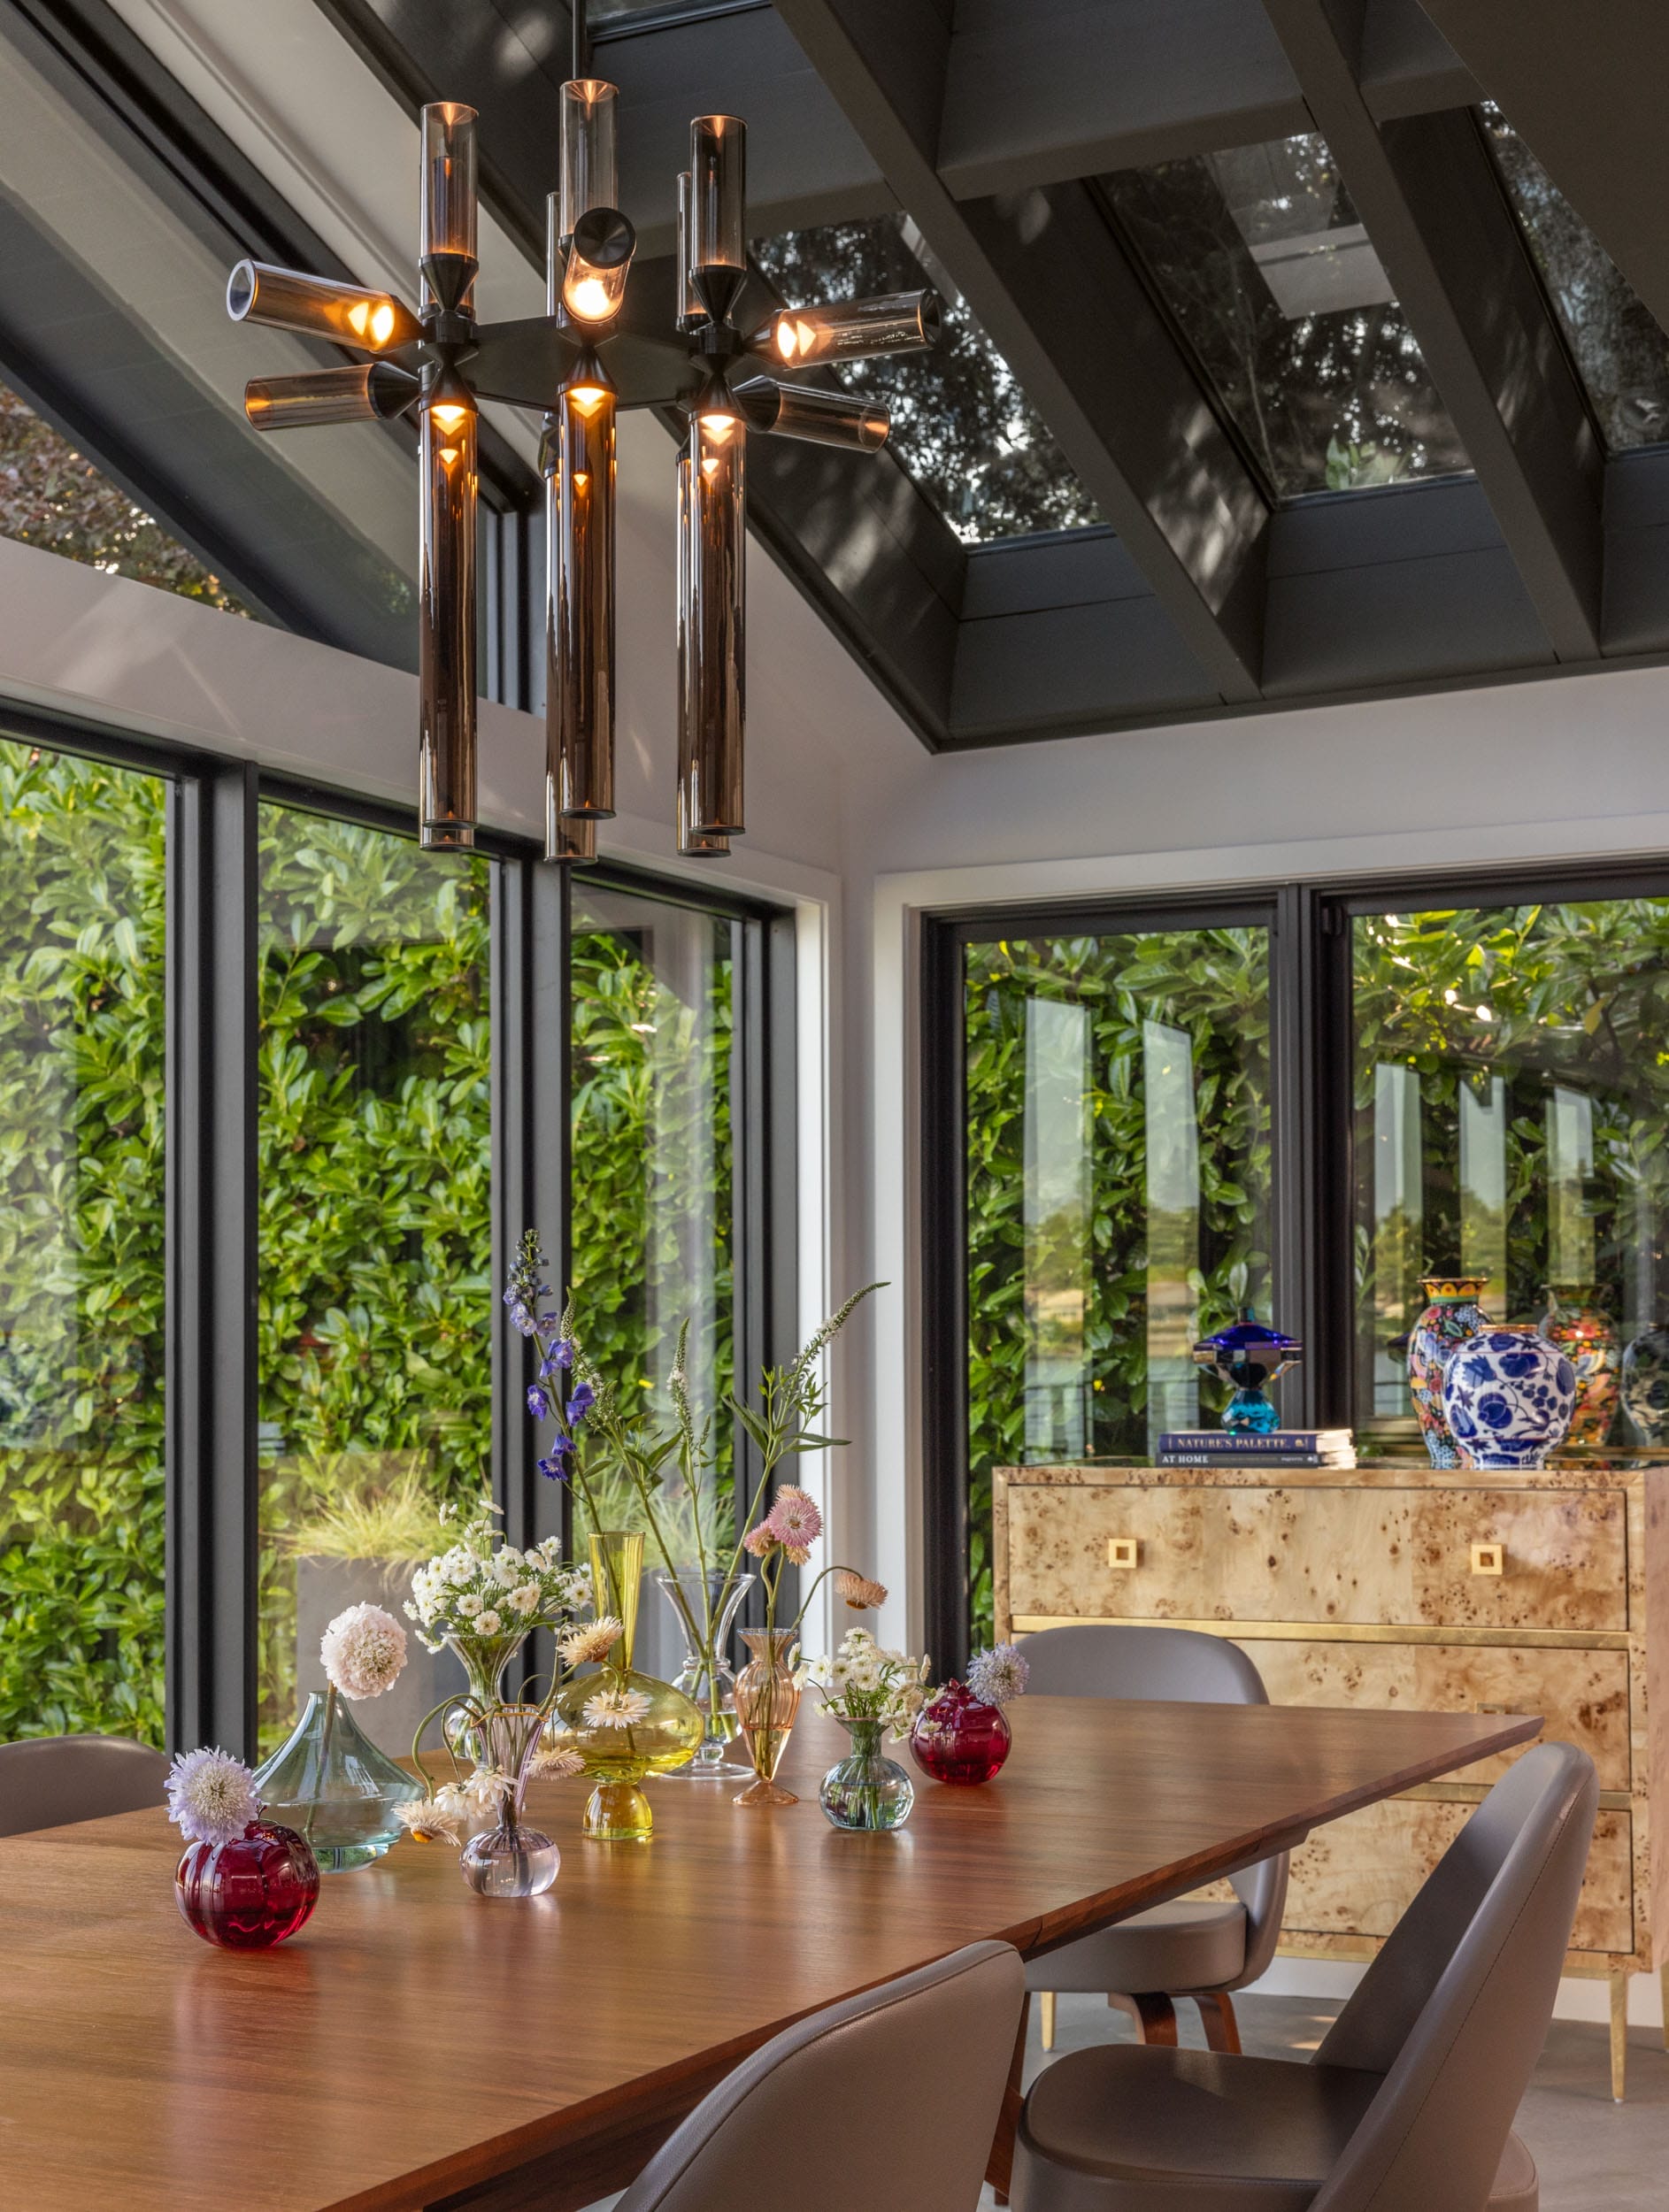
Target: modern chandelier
[{"x": 579, "y": 365}]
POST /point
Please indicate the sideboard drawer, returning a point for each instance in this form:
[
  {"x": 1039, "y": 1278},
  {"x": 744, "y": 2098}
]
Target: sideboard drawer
[
  {"x": 1379, "y": 1556},
  {"x": 1356, "y": 1877},
  {"x": 1582, "y": 1696}
]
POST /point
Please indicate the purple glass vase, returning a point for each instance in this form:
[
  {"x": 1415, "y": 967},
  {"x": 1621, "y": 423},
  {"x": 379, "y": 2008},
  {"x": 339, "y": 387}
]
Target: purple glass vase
[
  {"x": 957, "y": 1739},
  {"x": 251, "y": 1892}
]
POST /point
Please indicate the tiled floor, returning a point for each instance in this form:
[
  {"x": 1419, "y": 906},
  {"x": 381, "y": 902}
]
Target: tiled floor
[{"x": 1594, "y": 2155}]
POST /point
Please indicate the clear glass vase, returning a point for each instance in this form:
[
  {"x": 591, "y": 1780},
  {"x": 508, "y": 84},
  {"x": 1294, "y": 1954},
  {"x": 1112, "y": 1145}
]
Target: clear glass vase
[
  {"x": 867, "y": 1789},
  {"x": 706, "y": 1607},
  {"x": 625, "y": 1725},
  {"x": 507, "y": 1858},
  {"x": 767, "y": 1699},
  {"x": 334, "y": 1786}
]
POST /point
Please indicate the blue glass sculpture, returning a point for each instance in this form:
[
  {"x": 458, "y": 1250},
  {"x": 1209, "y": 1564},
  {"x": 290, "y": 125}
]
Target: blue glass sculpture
[{"x": 1248, "y": 1355}]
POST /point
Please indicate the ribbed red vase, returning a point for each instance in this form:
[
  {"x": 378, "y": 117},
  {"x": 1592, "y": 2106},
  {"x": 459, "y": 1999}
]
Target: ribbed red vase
[
  {"x": 251, "y": 1892},
  {"x": 957, "y": 1739}
]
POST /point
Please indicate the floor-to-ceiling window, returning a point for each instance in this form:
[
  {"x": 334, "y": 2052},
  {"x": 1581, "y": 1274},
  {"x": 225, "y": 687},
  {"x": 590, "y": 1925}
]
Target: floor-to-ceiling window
[
  {"x": 82, "y": 1033},
  {"x": 375, "y": 1291}
]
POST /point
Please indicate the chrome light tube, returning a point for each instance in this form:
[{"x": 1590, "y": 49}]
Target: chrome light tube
[
  {"x": 599, "y": 260},
  {"x": 589, "y": 174},
  {"x": 714, "y": 619},
  {"x": 369, "y": 392},
  {"x": 808, "y": 412},
  {"x": 282, "y": 299},
  {"x": 850, "y": 330},
  {"x": 691, "y": 843},
  {"x": 717, "y": 210},
  {"x": 690, "y": 311},
  {"x": 446, "y": 618},
  {"x": 580, "y": 611},
  {"x": 446, "y": 247}
]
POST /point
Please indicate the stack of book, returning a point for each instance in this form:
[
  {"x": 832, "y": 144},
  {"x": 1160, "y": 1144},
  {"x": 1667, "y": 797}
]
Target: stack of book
[{"x": 1276, "y": 1447}]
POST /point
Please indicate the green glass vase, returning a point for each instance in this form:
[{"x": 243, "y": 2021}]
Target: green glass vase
[
  {"x": 335, "y": 1787},
  {"x": 625, "y": 1725}
]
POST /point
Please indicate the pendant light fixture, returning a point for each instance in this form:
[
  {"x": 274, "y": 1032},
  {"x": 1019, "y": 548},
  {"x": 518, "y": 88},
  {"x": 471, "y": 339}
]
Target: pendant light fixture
[{"x": 579, "y": 365}]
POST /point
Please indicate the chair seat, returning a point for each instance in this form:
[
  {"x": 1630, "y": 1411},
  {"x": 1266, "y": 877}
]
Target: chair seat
[
  {"x": 1123, "y": 2127},
  {"x": 1178, "y": 1946}
]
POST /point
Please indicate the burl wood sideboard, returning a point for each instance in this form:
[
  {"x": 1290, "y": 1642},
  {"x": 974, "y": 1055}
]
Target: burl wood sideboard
[{"x": 1399, "y": 1585}]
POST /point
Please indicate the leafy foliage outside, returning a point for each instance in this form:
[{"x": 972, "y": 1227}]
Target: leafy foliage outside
[
  {"x": 1565, "y": 1007},
  {"x": 53, "y": 497},
  {"x": 1212, "y": 984},
  {"x": 962, "y": 428},
  {"x": 81, "y": 1157}
]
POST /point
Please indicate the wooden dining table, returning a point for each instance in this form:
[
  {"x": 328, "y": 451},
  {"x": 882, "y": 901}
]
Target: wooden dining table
[{"x": 418, "y": 2046}]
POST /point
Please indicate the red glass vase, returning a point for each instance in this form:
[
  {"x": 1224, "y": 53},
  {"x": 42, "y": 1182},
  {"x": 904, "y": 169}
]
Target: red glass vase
[
  {"x": 251, "y": 1892},
  {"x": 957, "y": 1739}
]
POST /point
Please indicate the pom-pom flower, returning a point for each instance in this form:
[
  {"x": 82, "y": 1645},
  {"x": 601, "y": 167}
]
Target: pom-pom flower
[
  {"x": 364, "y": 1651},
  {"x": 210, "y": 1796},
  {"x": 999, "y": 1674},
  {"x": 859, "y": 1591},
  {"x": 760, "y": 1542},
  {"x": 591, "y": 1641},
  {"x": 616, "y": 1708},
  {"x": 796, "y": 1522}
]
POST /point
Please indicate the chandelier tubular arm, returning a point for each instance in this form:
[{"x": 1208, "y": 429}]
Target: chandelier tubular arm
[
  {"x": 446, "y": 641},
  {"x": 587, "y": 142},
  {"x": 812, "y": 414},
  {"x": 716, "y": 623},
  {"x": 580, "y": 702},
  {"x": 718, "y": 211},
  {"x": 371, "y": 392},
  {"x": 691, "y": 314},
  {"x": 849, "y": 330},
  {"x": 691, "y": 844},
  {"x": 348, "y": 314},
  {"x": 447, "y": 248},
  {"x": 596, "y": 265}
]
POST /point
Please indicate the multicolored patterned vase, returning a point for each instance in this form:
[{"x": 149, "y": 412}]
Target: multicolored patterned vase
[
  {"x": 1451, "y": 1315},
  {"x": 1587, "y": 1335},
  {"x": 1645, "y": 1384},
  {"x": 1508, "y": 1397}
]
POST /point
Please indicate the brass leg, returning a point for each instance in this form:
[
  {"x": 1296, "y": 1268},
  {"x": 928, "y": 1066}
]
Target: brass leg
[
  {"x": 1152, "y": 2011},
  {"x": 1217, "y": 2018},
  {"x": 1620, "y": 2035},
  {"x": 1000, "y": 2166},
  {"x": 1048, "y": 1997}
]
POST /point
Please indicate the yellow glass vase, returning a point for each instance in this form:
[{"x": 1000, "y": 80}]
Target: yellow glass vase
[{"x": 624, "y": 1724}]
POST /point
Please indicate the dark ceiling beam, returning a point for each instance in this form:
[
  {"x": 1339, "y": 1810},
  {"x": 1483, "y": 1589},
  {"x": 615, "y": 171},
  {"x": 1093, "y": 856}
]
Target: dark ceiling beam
[
  {"x": 1407, "y": 66},
  {"x": 1583, "y": 85},
  {"x": 1428, "y": 191},
  {"x": 1064, "y": 306}
]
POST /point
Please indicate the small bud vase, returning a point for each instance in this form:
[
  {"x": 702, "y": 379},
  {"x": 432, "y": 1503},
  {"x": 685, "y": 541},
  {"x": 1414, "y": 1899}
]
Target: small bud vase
[
  {"x": 250, "y": 1892},
  {"x": 706, "y": 1608},
  {"x": 511, "y": 1859},
  {"x": 866, "y": 1790},
  {"x": 330, "y": 1781},
  {"x": 957, "y": 1739},
  {"x": 767, "y": 1699},
  {"x": 624, "y": 1724}
]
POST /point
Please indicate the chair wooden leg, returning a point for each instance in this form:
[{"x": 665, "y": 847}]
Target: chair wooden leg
[
  {"x": 1000, "y": 2165},
  {"x": 1217, "y": 2018},
  {"x": 1047, "y": 2000},
  {"x": 1619, "y": 2036},
  {"x": 1152, "y": 2011}
]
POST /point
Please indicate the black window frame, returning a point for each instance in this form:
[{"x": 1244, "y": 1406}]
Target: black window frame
[{"x": 1312, "y": 1131}]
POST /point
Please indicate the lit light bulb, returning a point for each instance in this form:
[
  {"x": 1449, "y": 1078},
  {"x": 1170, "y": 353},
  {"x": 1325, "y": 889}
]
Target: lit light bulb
[
  {"x": 449, "y": 415},
  {"x": 587, "y": 398},
  {"x": 588, "y": 300}
]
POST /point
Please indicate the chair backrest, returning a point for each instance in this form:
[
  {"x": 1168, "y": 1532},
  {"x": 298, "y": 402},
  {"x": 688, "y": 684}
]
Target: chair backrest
[
  {"x": 889, "y": 2100},
  {"x": 48, "y": 1781},
  {"x": 1455, "y": 2010},
  {"x": 1187, "y": 1667}
]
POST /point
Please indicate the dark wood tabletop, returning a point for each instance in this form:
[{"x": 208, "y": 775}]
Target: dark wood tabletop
[{"x": 416, "y": 2045}]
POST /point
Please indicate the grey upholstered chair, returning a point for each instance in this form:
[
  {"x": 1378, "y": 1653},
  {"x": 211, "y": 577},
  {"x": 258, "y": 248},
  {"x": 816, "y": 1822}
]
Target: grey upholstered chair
[
  {"x": 1409, "y": 2100},
  {"x": 48, "y": 1781},
  {"x": 888, "y": 2100},
  {"x": 1200, "y": 1950}
]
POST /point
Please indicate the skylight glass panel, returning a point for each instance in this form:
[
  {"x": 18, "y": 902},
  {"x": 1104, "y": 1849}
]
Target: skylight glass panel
[
  {"x": 962, "y": 428},
  {"x": 1620, "y": 352},
  {"x": 1272, "y": 280}
]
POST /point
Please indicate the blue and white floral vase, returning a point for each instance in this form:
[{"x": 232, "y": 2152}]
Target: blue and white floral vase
[{"x": 1508, "y": 1398}]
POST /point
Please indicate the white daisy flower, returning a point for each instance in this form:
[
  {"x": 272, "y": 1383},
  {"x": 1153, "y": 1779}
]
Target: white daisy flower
[{"x": 616, "y": 1708}]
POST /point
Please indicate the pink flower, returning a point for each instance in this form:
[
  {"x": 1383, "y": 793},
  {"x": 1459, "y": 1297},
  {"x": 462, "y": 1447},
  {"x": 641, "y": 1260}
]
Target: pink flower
[
  {"x": 796, "y": 1522},
  {"x": 760, "y": 1542}
]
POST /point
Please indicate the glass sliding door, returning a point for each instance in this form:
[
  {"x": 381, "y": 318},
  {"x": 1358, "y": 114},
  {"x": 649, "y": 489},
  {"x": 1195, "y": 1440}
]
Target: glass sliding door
[
  {"x": 1511, "y": 1083},
  {"x": 82, "y": 1280},
  {"x": 1116, "y": 1133},
  {"x": 375, "y": 1297}
]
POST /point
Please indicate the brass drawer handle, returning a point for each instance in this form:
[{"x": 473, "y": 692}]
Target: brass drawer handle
[
  {"x": 1489, "y": 1559},
  {"x": 1123, "y": 1551}
]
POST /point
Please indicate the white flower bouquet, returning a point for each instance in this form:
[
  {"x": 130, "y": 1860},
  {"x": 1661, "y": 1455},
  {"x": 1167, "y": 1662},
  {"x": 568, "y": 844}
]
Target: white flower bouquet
[
  {"x": 472, "y": 1593},
  {"x": 861, "y": 1681}
]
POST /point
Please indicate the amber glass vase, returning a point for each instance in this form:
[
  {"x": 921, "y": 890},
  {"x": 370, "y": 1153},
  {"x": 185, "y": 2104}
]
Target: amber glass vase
[{"x": 767, "y": 1699}]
